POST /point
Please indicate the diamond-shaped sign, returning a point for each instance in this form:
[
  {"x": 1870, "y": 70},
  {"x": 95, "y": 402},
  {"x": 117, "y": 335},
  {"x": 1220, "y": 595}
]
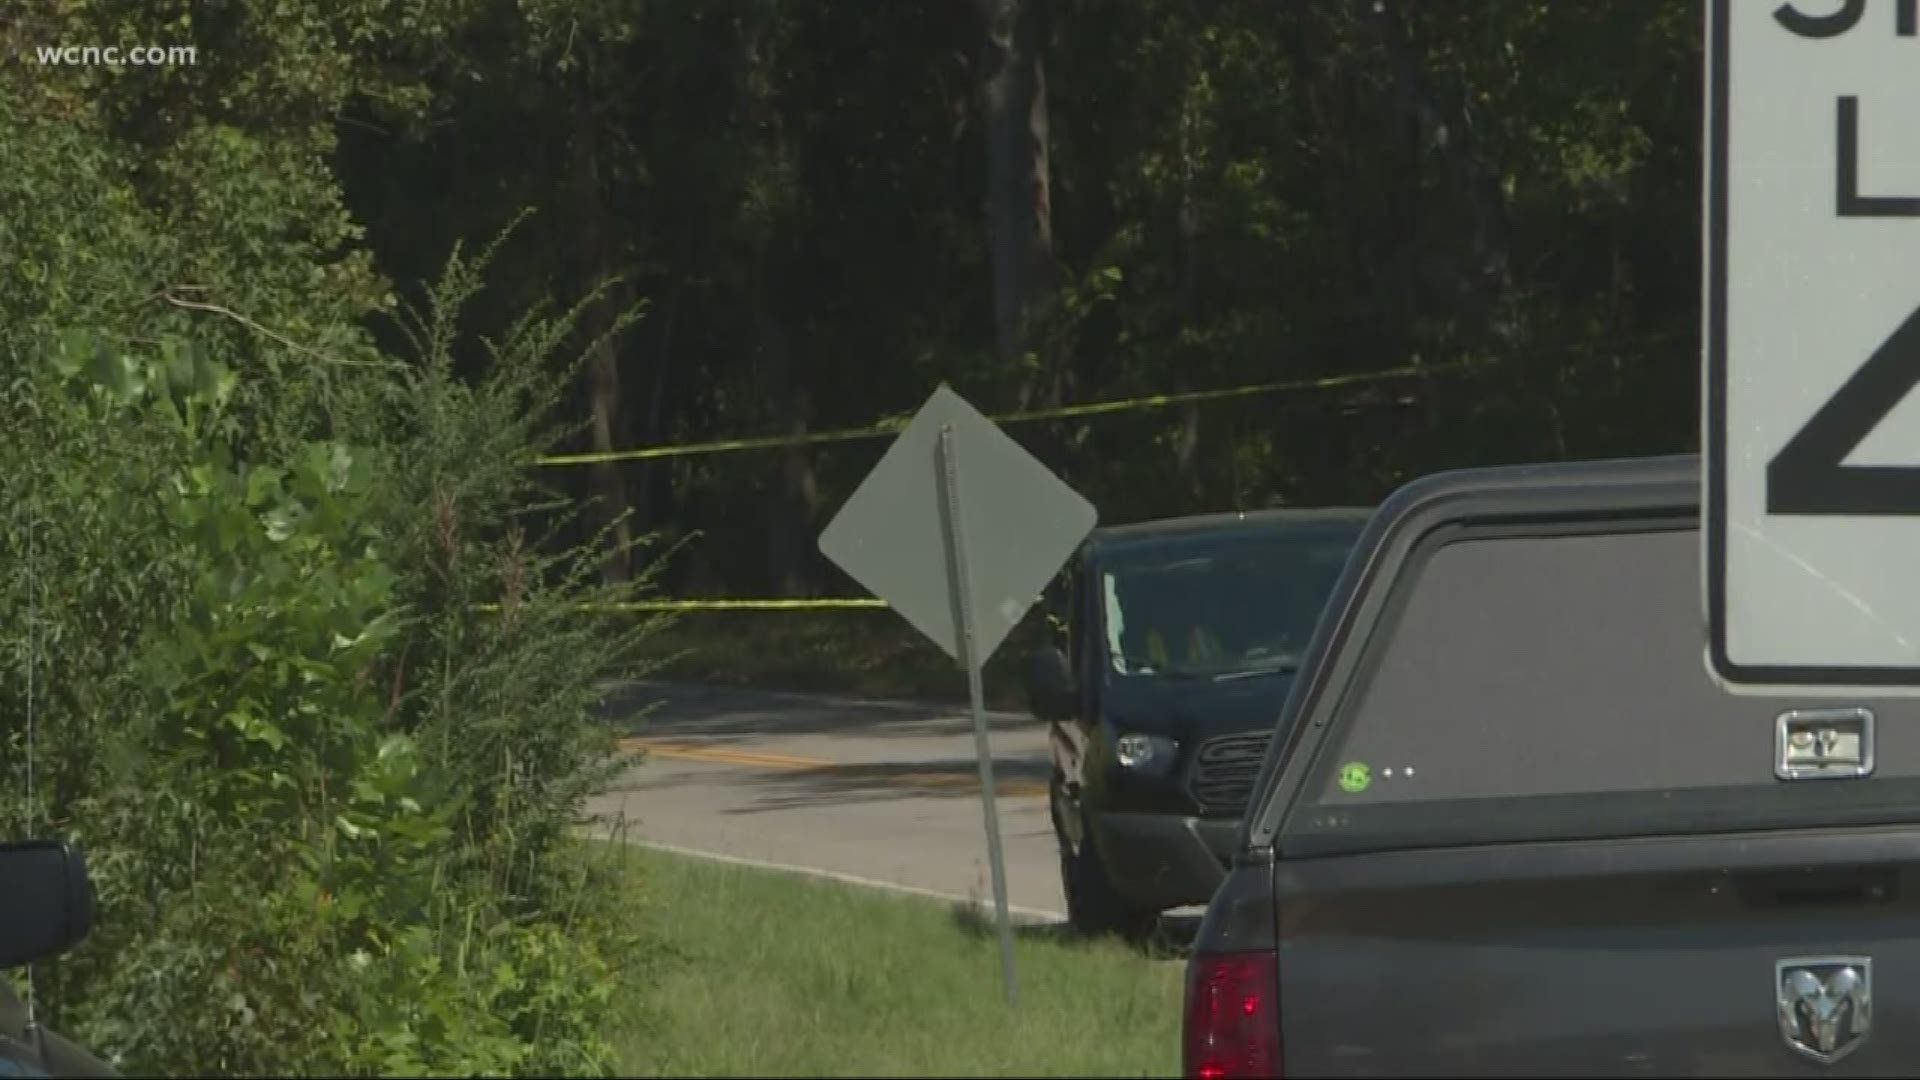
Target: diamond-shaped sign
[{"x": 1018, "y": 524}]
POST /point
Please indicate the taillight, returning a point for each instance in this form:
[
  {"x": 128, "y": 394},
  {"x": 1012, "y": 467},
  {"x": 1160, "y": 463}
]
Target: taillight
[{"x": 1233, "y": 1016}]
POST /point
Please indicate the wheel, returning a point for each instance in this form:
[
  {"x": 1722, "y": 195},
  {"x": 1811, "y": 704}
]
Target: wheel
[{"x": 1094, "y": 908}]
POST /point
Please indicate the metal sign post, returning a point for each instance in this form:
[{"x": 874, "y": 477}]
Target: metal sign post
[
  {"x": 961, "y": 563},
  {"x": 953, "y": 530}
]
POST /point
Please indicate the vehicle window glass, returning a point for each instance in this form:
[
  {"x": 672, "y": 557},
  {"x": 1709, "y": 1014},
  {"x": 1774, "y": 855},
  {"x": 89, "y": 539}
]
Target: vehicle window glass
[
  {"x": 1552, "y": 666},
  {"x": 1219, "y": 606},
  {"x": 1115, "y": 619}
]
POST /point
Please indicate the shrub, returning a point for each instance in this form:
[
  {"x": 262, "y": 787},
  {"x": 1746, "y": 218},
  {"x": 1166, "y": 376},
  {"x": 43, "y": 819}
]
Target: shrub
[{"x": 327, "y": 794}]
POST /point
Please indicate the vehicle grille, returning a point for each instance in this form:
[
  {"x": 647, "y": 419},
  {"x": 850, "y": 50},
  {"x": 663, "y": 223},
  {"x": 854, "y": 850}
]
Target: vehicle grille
[{"x": 1224, "y": 770}]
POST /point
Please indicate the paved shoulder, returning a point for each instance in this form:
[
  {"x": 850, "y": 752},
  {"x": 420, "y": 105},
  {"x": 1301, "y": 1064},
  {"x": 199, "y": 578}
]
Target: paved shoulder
[{"x": 880, "y": 790}]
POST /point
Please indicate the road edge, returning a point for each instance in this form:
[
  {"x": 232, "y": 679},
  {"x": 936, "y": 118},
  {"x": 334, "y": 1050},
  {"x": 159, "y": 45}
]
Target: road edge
[{"x": 1025, "y": 916}]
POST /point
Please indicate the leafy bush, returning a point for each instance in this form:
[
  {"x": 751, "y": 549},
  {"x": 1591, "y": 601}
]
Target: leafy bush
[{"x": 327, "y": 794}]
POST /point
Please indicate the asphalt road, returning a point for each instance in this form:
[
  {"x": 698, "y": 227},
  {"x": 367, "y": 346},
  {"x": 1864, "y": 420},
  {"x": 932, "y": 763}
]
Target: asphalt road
[{"x": 880, "y": 792}]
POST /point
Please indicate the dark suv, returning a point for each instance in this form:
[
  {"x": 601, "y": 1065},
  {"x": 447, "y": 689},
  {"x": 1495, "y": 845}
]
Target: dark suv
[{"x": 1182, "y": 640}]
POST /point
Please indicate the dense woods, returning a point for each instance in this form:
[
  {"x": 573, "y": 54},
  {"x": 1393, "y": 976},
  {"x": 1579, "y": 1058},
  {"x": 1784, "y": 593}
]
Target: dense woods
[
  {"x": 706, "y": 220},
  {"x": 819, "y": 211}
]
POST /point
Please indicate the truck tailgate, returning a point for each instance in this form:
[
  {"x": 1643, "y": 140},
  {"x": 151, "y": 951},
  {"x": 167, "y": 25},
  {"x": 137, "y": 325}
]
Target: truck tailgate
[{"x": 1644, "y": 957}]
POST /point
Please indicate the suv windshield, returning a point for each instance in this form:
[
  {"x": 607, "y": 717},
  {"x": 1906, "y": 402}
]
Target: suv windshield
[{"x": 1220, "y": 604}]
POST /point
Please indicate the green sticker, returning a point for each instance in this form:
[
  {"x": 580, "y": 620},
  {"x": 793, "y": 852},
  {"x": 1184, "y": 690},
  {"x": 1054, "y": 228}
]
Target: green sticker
[{"x": 1355, "y": 777}]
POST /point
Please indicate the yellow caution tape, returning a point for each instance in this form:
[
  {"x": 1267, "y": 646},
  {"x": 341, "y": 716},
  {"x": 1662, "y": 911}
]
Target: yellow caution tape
[
  {"x": 1161, "y": 401},
  {"x": 1094, "y": 409},
  {"x": 723, "y": 605},
  {"x": 889, "y": 427},
  {"x": 1154, "y": 401}
]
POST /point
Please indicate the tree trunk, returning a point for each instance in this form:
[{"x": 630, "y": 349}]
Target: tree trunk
[
  {"x": 1446, "y": 126},
  {"x": 801, "y": 496},
  {"x": 653, "y": 480},
  {"x": 606, "y": 482},
  {"x": 1187, "y": 451},
  {"x": 1187, "y": 443},
  {"x": 791, "y": 511},
  {"x": 1013, "y": 101}
]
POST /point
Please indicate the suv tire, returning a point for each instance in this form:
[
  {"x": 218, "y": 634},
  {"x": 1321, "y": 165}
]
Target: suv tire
[{"x": 1093, "y": 906}]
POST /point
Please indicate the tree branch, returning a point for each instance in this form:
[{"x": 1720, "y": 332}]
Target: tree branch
[{"x": 170, "y": 295}]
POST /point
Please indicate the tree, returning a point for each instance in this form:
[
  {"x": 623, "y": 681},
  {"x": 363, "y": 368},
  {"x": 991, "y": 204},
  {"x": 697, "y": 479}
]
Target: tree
[{"x": 1019, "y": 203}]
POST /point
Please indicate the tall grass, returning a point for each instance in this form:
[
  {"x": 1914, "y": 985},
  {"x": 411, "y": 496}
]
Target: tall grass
[{"x": 772, "y": 974}]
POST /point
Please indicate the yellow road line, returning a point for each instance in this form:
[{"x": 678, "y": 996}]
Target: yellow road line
[
  {"x": 724, "y": 755},
  {"x": 1017, "y": 788}
]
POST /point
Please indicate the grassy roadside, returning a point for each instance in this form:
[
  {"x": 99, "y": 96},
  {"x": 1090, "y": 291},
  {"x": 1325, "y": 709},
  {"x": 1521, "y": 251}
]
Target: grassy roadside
[
  {"x": 770, "y": 974},
  {"x": 858, "y": 652}
]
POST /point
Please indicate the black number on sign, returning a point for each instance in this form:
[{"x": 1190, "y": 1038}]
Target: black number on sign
[
  {"x": 1820, "y": 26},
  {"x": 1808, "y": 477},
  {"x": 1833, "y": 24}
]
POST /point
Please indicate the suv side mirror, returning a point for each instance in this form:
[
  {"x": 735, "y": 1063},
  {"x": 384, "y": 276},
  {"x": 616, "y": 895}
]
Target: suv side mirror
[
  {"x": 46, "y": 904},
  {"x": 1050, "y": 690}
]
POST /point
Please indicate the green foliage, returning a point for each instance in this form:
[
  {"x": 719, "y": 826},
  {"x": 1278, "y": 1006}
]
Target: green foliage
[
  {"x": 1240, "y": 193},
  {"x": 308, "y": 858},
  {"x": 227, "y": 238},
  {"x": 326, "y": 791},
  {"x": 327, "y": 799}
]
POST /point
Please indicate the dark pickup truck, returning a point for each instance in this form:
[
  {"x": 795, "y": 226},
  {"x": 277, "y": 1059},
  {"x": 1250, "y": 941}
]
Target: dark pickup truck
[
  {"x": 1509, "y": 825},
  {"x": 1183, "y": 635}
]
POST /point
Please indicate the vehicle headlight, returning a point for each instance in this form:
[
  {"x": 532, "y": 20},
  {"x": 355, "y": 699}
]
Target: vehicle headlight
[{"x": 1144, "y": 753}]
